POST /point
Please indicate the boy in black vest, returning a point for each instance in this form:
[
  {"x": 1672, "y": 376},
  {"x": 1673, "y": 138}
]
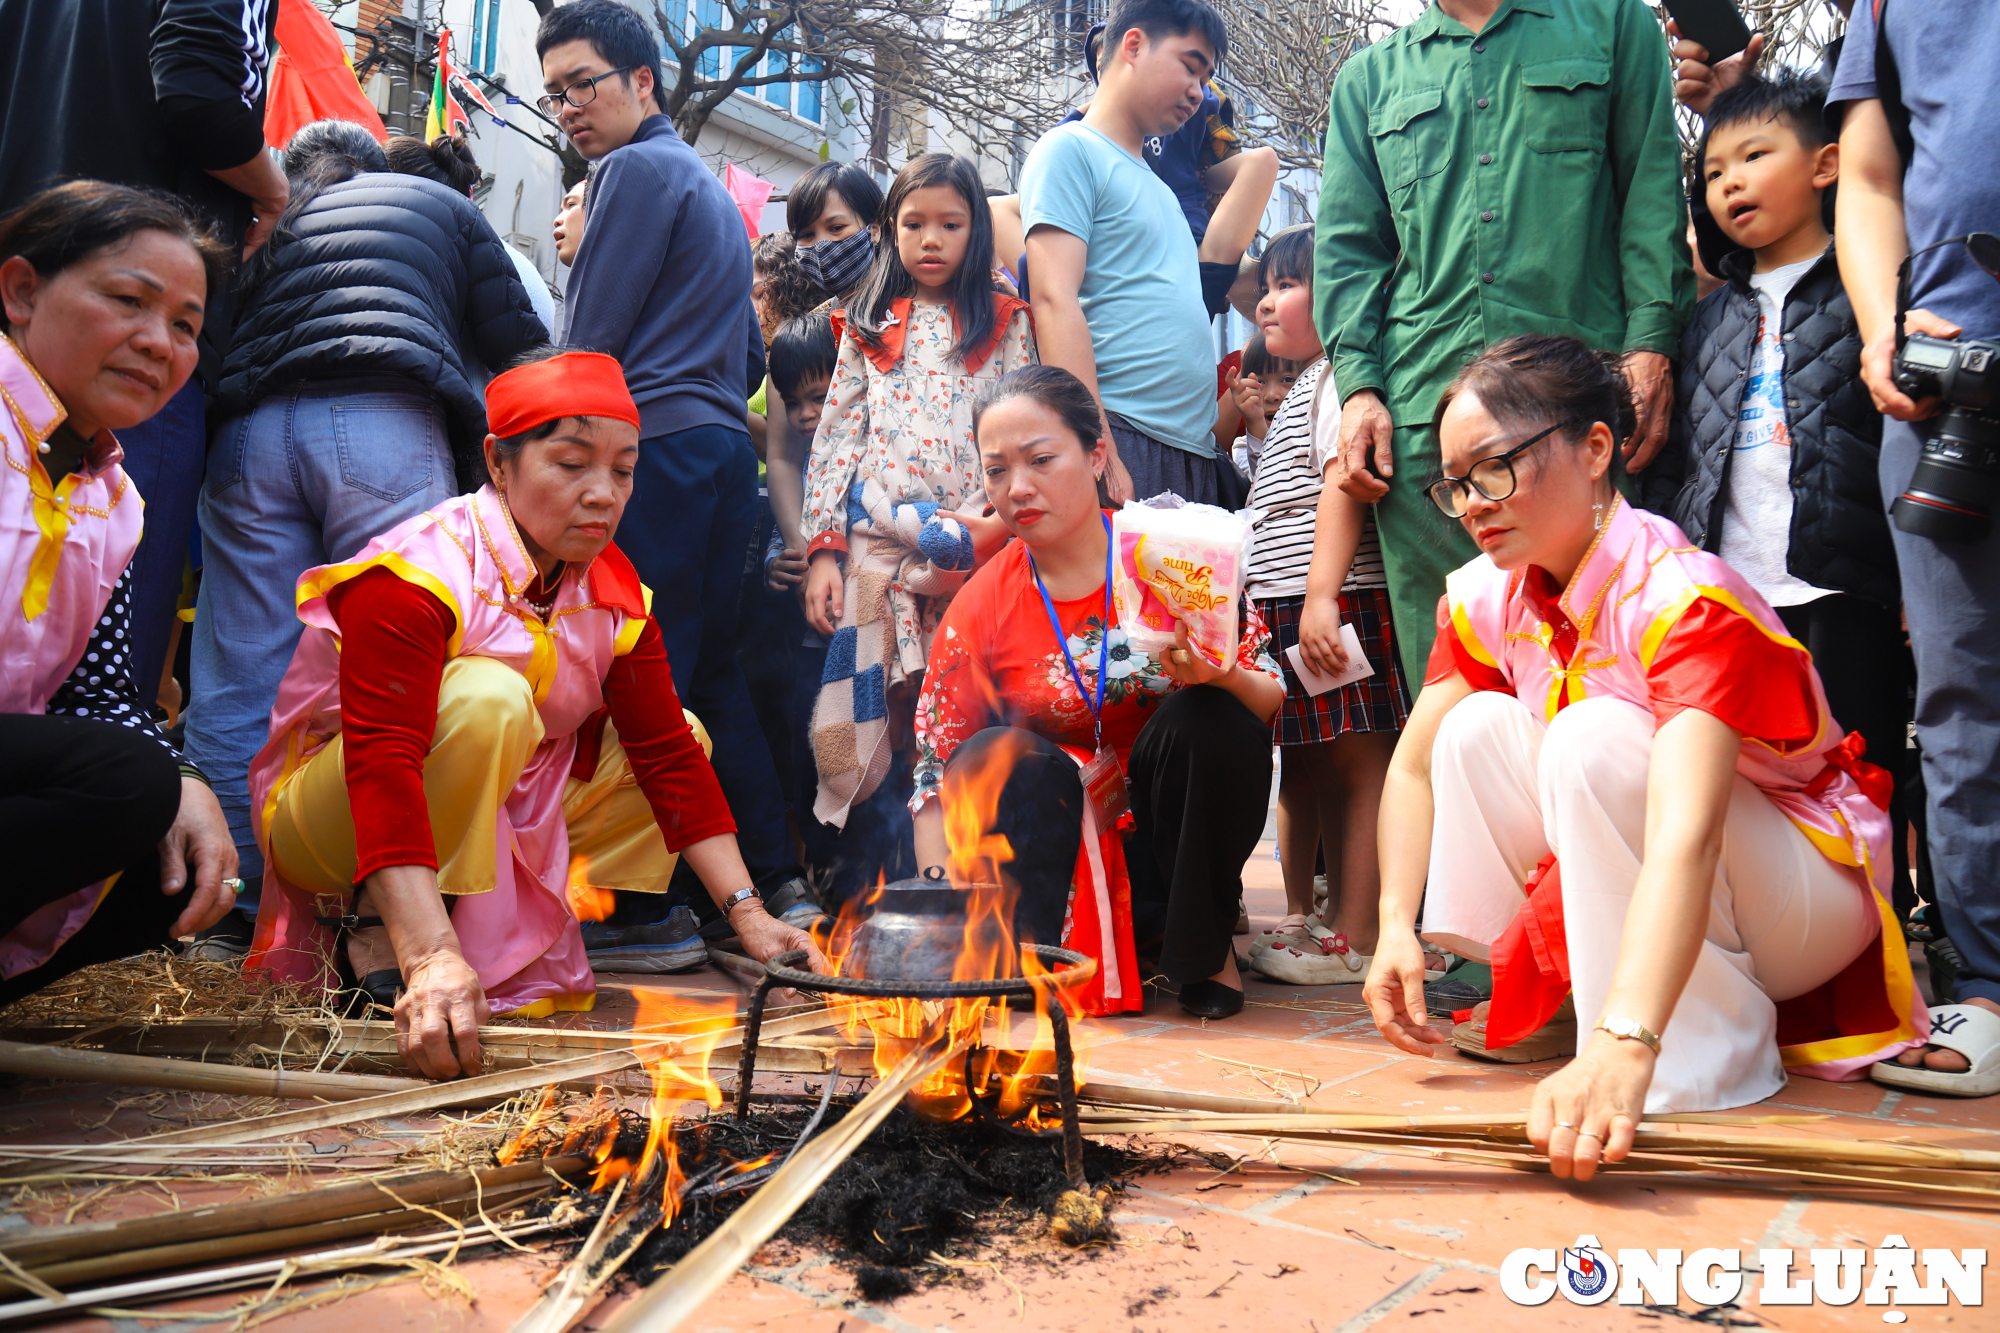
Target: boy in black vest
[{"x": 1772, "y": 459}]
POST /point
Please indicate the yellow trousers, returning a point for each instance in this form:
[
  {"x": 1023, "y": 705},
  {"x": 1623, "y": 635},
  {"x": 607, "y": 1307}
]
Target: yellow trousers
[{"x": 487, "y": 731}]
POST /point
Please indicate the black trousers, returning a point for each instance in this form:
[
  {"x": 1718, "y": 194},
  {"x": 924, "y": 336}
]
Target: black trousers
[
  {"x": 81, "y": 800},
  {"x": 1867, "y": 672},
  {"x": 1200, "y": 779}
]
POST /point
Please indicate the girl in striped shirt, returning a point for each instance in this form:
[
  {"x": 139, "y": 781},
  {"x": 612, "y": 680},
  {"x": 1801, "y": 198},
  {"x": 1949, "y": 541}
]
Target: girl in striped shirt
[{"x": 1314, "y": 565}]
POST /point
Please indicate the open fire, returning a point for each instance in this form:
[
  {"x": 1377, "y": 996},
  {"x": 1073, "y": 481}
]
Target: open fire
[{"x": 909, "y": 963}]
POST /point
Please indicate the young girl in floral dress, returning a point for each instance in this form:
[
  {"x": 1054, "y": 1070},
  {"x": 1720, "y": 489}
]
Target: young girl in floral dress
[{"x": 894, "y": 515}]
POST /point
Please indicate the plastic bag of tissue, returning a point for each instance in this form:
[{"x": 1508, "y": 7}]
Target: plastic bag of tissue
[{"x": 1178, "y": 562}]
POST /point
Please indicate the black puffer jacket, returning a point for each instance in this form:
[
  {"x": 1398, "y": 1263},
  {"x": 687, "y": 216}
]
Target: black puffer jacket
[
  {"x": 1840, "y": 535},
  {"x": 385, "y": 275}
]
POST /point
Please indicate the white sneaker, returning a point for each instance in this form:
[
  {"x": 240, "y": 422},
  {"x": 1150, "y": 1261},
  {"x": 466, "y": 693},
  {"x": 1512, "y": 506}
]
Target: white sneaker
[{"x": 1324, "y": 961}]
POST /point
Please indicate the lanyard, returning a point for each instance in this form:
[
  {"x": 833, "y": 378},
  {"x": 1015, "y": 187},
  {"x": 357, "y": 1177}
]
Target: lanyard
[{"x": 1103, "y": 644}]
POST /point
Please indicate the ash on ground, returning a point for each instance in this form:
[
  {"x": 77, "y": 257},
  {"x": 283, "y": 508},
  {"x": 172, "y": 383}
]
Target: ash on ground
[{"x": 914, "y": 1188}]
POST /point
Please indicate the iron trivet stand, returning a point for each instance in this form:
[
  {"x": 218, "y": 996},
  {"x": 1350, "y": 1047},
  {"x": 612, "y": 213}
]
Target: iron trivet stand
[{"x": 1067, "y": 969}]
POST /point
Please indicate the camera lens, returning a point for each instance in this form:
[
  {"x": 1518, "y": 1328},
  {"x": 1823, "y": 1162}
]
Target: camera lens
[{"x": 1950, "y": 495}]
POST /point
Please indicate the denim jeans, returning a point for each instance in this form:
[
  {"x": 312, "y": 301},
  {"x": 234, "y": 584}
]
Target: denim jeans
[
  {"x": 163, "y": 458},
  {"x": 1951, "y": 594},
  {"x": 305, "y": 478}
]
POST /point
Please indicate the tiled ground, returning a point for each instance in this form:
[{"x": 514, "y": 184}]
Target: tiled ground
[{"x": 1300, "y": 1238}]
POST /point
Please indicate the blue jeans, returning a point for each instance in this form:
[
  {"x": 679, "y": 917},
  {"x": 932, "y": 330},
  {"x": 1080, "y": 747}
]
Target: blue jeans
[
  {"x": 163, "y": 457},
  {"x": 305, "y": 478},
  {"x": 687, "y": 531},
  {"x": 1951, "y": 594}
]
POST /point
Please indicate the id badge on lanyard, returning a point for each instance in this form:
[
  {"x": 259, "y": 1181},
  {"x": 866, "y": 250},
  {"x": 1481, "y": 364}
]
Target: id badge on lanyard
[{"x": 1103, "y": 776}]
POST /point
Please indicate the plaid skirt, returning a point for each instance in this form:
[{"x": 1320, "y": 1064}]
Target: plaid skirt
[{"x": 1380, "y": 702}]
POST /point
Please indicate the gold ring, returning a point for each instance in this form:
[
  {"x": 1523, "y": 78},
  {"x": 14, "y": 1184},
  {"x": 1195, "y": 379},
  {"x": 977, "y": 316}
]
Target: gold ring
[
  {"x": 1182, "y": 657},
  {"x": 1590, "y": 1134},
  {"x": 1564, "y": 1124}
]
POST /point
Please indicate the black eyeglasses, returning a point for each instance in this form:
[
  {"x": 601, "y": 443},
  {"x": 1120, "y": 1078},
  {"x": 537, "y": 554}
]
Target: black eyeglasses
[
  {"x": 581, "y": 93},
  {"x": 1492, "y": 477}
]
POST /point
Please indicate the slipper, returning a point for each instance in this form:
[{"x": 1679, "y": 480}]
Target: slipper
[
  {"x": 1551, "y": 1040},
  {"x": 1966, "y": 1028}
]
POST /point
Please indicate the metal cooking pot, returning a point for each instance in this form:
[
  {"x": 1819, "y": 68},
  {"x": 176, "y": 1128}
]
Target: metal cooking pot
[{"x": 916, "y": 930}]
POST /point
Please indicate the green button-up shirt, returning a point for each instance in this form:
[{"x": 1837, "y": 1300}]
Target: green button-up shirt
[{"x": 1526, "y": 179}]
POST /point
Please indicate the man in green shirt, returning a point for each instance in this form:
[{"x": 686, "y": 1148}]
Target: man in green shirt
[{"x": 1496, "y": 167}]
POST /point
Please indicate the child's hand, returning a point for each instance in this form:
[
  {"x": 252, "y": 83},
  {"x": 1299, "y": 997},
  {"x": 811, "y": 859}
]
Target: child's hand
[
  {"x": 826, "y": 592},
  {"x": 1250, "y": 402},
  {"x": 1319, "y": 636},
  {"x": 987, "y": 531},
  {"x": 786, "y": 571}
]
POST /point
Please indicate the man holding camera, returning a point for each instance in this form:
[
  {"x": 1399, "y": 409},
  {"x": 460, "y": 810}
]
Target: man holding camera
[{"x": 1919, "y": 117}]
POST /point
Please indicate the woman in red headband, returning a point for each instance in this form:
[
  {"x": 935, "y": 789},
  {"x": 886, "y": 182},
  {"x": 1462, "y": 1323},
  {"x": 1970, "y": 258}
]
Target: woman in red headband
[{"x": 478, "y": 739}]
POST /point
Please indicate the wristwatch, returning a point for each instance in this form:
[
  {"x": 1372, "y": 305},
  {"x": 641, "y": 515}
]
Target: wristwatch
[
  {"x": 1629, "y": 1027},
  {"x": 729, "y": 904}
]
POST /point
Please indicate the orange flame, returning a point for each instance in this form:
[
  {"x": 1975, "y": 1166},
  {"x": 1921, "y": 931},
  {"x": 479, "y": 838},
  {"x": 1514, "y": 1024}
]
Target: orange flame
[
  {"x": 988, "y": 949},
  {"x": 586, "y": 901},
  {"x": 680, "y": 1076}
]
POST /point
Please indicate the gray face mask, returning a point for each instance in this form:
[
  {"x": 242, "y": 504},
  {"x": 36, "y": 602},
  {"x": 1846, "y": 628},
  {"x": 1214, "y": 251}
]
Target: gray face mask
[{"x": 835, "y": 266}]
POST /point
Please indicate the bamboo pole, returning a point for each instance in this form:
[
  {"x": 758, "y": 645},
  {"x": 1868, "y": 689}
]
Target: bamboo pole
[
  {"x": 158, "y": 1258},
  {"x": 145, "y": 1071},
  {"x": 209, "y": 1280},
  {"x": 661, "y": 1307},
  {"x": 482, "y": 1090},
  {"x": 51, "y": 1245}
]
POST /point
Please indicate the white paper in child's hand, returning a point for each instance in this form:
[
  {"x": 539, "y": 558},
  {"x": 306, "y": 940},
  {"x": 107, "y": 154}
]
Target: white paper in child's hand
[{"x": 1317, "y": 683}]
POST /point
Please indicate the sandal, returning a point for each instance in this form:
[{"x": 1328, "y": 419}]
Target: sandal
[
  {"x": 358, "y": 996},
  {"x": 1552, "y": 1040},
  {"x": 1294, "y": 928},
  {"x": 1973, "y": 1032}
]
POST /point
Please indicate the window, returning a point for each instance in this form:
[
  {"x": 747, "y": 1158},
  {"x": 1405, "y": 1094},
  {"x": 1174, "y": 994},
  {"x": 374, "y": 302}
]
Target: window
[
  {"x": 776, "y": 63},
  {"x": 485, "y": 35},
  {"x": 707, "y": 15},
  {"x": 809, "y": 93}
]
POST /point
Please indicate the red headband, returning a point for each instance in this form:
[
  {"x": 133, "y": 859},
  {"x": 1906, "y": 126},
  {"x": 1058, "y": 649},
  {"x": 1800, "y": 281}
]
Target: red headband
[{"x": 575, "y": 384}]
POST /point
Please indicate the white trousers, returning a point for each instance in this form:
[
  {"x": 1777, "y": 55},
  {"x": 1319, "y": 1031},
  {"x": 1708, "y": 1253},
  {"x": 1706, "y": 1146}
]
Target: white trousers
[{"x": 1782, "y": 920}]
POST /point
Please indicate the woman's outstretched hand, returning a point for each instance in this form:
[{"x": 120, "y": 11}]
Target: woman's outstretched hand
[
  {"x": 438, "y": 1015},
  {"x": 765, "y": 937},
  {"x": 1586, "y": 1113},
  {"x": 1394, "y": 993}
]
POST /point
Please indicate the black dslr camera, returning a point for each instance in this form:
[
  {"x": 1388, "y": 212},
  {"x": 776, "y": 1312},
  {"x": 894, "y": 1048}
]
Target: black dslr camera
[{"x": 1950, "y": 495}]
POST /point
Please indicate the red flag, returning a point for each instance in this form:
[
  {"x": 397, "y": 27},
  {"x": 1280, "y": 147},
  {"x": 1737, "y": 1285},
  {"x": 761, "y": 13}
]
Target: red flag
[
  {"x": 311, "y": 79},
  {"x": 751, "y": 193}
]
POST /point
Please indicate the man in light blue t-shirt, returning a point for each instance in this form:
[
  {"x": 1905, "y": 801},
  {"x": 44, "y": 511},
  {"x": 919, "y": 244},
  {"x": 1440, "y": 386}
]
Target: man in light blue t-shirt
[{"x": 1113, "y": 275}]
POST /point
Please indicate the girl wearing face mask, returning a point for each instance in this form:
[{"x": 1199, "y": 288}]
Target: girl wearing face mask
[
  {"x": 831, "y": 211},
  {"x": 489, "y": 664},
  {"x": 115, "y": 845},
  {"x": 893, "y": 497},
  {"x": 1618, "y": 725}
]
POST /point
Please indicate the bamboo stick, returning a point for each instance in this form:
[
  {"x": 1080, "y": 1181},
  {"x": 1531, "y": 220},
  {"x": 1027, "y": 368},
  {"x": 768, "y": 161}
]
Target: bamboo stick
[
  {"x": 145, "y": 1071},
  {"x": 1129, "y": 1095},
  {"x": 252, "y": 1274},
  {"x": 662, "y": 1306},
  {"x": 158, "y": 1258},
  {"x": 51, "y": 1245},
  {"x": 482, "y": 1090},
  {"x": 615, "y": 1238}
]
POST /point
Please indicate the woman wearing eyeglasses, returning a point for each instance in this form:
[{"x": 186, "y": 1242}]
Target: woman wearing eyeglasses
[{"x": 1621, "y": 780}]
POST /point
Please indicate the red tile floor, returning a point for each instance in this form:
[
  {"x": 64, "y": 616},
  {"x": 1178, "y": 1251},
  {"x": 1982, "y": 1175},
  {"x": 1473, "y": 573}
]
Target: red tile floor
[{"x": 1317, "y": 1240}]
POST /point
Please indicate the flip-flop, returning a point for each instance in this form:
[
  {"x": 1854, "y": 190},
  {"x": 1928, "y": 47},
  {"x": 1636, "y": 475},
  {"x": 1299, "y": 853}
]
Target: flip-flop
[{"x": 1966, "y": 1028}]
